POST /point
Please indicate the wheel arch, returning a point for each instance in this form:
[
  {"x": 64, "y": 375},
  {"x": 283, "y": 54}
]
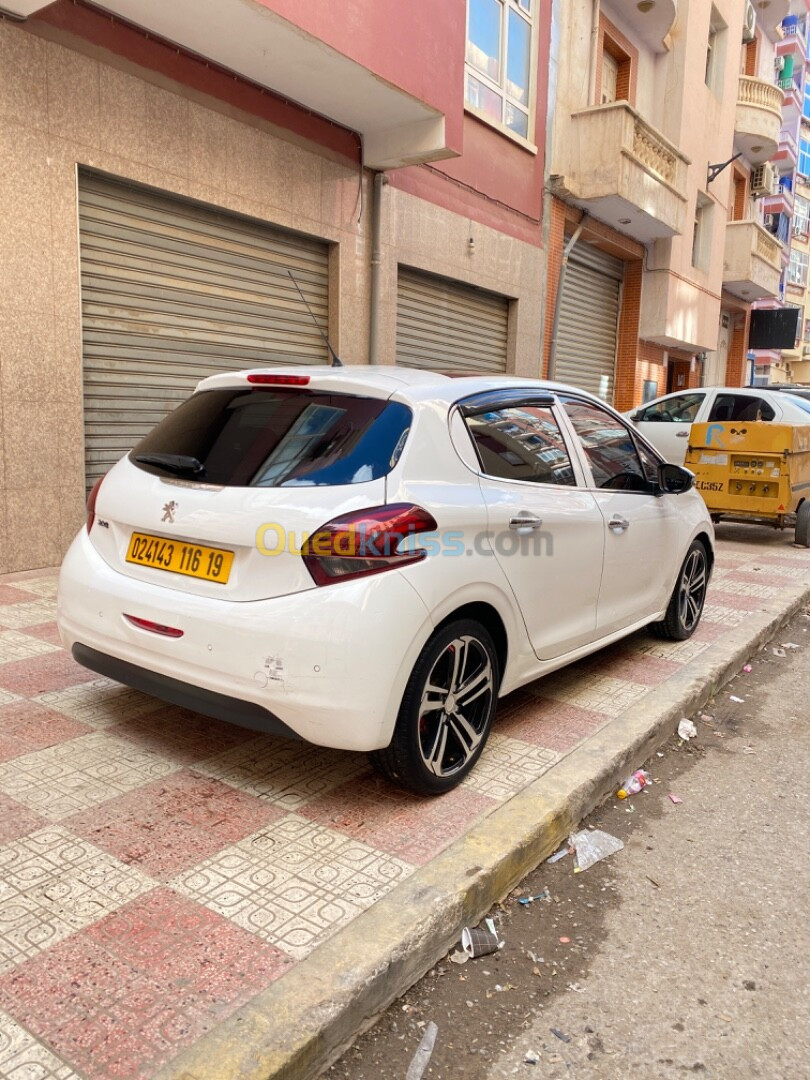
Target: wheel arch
[{"x": 491, "y": 620}]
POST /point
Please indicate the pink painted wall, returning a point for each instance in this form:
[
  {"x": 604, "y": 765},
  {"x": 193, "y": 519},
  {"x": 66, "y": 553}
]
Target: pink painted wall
[{"x": 417, "y": 45}]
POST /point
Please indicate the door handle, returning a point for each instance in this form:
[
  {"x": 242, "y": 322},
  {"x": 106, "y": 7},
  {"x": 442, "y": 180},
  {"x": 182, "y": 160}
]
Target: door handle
[
  {"x": 618, "y": 524},
  {"x": 681, "y": 434},
  {"x": 528, "y": 522}
]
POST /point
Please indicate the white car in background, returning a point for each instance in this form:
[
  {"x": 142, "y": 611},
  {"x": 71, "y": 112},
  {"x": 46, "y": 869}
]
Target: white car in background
[
  {"x": 366, "y": 558},
  {"x": 667, "y": 421}
]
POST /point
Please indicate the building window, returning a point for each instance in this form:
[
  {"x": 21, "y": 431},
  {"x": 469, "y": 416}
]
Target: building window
[
  {"x": 617, "y": 61},
  {"x": 751, "y": 56},
  {"x": 806, "y": 101},
  {"x": 807, "y": 329},
  {"x": 804, "y": 156},
  {"x": 739, "y": 206},
  {"x": 715, "y": 52},
  {"x": 500, "y": 62},
  {"x": 801, "y": 216},
  {"x": 797, "y": 268},
  {"x": 701, "y": 232}
]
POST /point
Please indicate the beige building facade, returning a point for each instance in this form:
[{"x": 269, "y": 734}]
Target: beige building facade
[{"x": 84, "y": 124}]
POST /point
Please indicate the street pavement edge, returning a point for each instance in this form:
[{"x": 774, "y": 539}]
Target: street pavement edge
[{"x": 299, "y": 1025}]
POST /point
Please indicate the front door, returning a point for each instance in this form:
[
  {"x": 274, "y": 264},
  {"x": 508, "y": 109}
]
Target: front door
[
  {"x": 544, "y": 528},
  {"x": 640, "y": 527}
]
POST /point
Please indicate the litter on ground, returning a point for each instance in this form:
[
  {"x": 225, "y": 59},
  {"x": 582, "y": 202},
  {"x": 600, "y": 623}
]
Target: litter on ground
[
  {"x": 686, "y": 730},
  {"x": 593, "y": 845}
]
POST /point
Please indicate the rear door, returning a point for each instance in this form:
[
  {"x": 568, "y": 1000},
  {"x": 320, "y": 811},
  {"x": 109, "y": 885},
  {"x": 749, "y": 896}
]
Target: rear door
[
  {"x": 641, "y": 530},
  {"x": 219, "y": 499},
  {"x": 546, "y": 531}
]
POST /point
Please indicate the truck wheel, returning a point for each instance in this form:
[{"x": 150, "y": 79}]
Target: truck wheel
[{"x": 803, "y": 525}]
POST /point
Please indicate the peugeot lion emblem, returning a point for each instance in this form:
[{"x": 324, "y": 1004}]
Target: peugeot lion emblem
[{"x": 169, "y": 511}]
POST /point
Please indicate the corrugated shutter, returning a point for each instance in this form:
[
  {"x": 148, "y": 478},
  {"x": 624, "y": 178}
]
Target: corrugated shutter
[
  {"x": 589, "y": 315},
  {"x": 172, "y": 292},
  {"x": 449, "y": 327}
]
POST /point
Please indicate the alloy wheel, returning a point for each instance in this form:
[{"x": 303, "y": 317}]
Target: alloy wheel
[
  {"x": 692, "y": 591},
  {"x": 455, "y": 706}
]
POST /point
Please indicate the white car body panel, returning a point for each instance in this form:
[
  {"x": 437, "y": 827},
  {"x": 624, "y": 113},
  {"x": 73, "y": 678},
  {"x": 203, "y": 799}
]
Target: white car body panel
[
  {"x": 331, "y": 663},
  {"x": 672, "y": 439}
]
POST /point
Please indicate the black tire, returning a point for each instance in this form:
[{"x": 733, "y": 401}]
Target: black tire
[
  {"x": 688, "y": 597},
  {"x": 803, "y": 524},
  {"x": 458, "y": 655}
]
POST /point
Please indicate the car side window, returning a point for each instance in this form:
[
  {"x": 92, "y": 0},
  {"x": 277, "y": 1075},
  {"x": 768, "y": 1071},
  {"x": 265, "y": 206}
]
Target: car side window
[
  {"x": 740, "y": 407},
  {"x": 681, "y": 409},
  {"x": 521, "y": 442},
  {"x": 609, "y": 447}
]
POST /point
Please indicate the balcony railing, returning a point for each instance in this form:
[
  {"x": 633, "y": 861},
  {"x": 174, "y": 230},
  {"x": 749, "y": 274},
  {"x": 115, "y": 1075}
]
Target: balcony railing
[
  {"x": 752, "y": 261},
  {"x": 760, "y": 92}
]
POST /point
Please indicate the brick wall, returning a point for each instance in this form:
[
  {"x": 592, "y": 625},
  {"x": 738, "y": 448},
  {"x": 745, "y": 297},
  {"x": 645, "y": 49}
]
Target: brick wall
[
  {"x": 556, "y": 243},
  {"x": 626, "y": 392},
  {"x": 736, "y": 365}
]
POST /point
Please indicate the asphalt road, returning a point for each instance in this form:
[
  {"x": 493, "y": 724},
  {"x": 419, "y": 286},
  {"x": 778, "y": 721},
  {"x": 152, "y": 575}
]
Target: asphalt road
[{"x": 687, "y": 953}]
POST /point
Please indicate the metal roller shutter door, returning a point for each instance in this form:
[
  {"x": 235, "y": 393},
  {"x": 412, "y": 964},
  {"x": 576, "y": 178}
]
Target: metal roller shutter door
[
  {"x": 449, "y": 327},
  {"x": 172, "y": 292},
  {"x": 589, "y": 316}
]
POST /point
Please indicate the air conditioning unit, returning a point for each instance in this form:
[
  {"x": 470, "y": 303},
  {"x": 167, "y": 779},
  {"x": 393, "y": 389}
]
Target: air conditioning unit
[
  {"x": 770, "y": 222},
  {"x": 798, "y": 228},
  {"x": 779, "y": 64},
  {"x": 764, "y": 179},
  {"x": 749, "y": 23}
]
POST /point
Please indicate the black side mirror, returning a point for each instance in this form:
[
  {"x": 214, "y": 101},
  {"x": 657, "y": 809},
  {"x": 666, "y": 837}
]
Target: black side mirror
[{"x": 674, "y": 479}]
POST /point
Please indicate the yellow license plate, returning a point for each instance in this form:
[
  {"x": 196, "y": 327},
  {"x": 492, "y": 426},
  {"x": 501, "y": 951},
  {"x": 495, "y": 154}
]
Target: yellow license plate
[{"x": 193, "y": 560}]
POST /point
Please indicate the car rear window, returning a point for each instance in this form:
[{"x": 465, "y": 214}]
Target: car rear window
[{"x": 270, "y": 437}]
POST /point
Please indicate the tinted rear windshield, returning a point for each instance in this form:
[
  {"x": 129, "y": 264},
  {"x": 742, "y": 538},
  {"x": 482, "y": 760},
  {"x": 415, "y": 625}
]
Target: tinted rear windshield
[{"x": 269, "y": 437}]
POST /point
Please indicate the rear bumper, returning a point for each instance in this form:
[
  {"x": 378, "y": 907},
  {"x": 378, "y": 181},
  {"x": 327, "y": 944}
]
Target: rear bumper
[
  {"x": 328, "y": 665},
  {"x": 195, "y": 698}
]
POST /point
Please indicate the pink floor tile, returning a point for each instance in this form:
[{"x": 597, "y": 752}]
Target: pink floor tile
[
  {"x": 737, "y": 601},
  {"x": 170, "y": 824},
  {"x": 637, "y": 667},
  {"x": 391, "y": 820},
  {"x": 51, "y": 671},
  {"x": 26, "y": 726},
  {"x": 45, "y": 632},
  {"x": 182, "y": 736},
  {"x": 709, "y": 631},
  {"x": 122, "y": 998},
  {"x": 552, "y": 724},
  {"x": 17, "y": 820},
  {"x": 10, "y": 595}
]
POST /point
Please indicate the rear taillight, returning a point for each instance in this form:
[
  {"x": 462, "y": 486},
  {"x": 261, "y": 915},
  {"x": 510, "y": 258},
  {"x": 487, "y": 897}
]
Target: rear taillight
[
  {"x": 154, "y": 627},
  {"x": 366, "y": 542},
  {"x": 91, "y": 503},
  {"x": 278, "y": 380}
]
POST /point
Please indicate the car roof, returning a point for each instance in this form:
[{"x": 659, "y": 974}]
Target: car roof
[{"x": 411, "y": 384}]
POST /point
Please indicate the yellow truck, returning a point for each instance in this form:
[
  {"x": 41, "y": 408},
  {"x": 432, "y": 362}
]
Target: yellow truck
[{"x": 754, "y": 471}]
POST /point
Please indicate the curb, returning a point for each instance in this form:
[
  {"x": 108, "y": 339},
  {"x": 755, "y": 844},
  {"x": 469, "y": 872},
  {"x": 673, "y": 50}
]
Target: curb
[{"x": 299, "y": 1025}]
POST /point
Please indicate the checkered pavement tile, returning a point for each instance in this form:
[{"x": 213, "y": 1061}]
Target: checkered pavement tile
[
  {"x": 592, "y": 691},
  {"x": 81, "y": 773},
  {"x": 182, "y": 736},
  {"x": 389, "y": 819},
  {"x": 17, "y": 820},
  {"x": 288, "y": 774},
  {"x": 100, "y": 703},
  {"x": 15, "y": 646},
  {"x": 52, "y": 884},
  {"x": 507, "y": 765},
  {"x": 720, "y": 615},
  {"x": 10, "y": 594},
  {"x": 43, "y": 667},
  {"x": 40, "y": 586},
  {"x": 173, "y": 823},
  {"x": 293, "y": 884},
  {"x": 18, "y": 616},
  {"x": 25, "y": 727},
  {"x": 23, "y": 1058},
  {"x": 121, "y": 998},
  {"x": 554, "y": 725}
]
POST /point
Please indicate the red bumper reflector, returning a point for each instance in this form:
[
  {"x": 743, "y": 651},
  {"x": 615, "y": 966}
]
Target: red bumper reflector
[{"x": 154, "y": 627}]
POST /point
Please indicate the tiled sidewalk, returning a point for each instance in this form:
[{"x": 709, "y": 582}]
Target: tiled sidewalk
[{"x": 157, "y": 869}]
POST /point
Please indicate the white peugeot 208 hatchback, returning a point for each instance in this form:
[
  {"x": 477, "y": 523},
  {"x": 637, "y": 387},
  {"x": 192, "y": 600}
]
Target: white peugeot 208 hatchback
[{"x": 367, "y": 558}]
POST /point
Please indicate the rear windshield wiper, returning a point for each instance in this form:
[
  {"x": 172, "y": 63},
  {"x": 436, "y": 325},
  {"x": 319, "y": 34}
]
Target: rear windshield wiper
[{"x": 175, "y": 463}]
